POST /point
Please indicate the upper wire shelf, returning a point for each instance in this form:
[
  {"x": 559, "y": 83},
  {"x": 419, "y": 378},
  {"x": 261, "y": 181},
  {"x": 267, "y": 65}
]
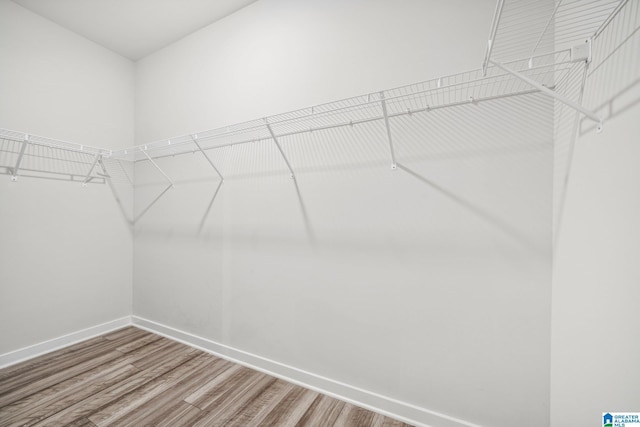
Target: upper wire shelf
[
  {"x": 526, "y": 28},
  {"x": 448, "y": 91},
  {"x": 23, "y": 154},
  {"x": 533, "y": 40}
]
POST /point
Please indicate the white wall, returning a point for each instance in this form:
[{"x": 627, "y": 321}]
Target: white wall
[
  {"x": 279, "y": 55},
  {"x": 429, "y": 285},
  {"x": 65, "y": 251},
  {"x": 596, "y": 285}
]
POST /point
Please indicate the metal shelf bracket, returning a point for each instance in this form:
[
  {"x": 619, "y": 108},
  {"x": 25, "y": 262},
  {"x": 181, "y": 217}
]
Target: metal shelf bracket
[
  {"x": 88, "y": 177},
  {"x": 588, "y": 113},
  {"x": 383, "y": 102},
  {"x": 14, "y": 174},
  {"x": 195, "y": 141},
  {"x": 159, "y": 169},
  {"x": 275, "y": 139}
]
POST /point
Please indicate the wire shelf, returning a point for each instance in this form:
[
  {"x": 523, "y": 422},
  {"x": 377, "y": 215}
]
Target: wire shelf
[
  {"x": 526, "y": 28},
  {"x": 419, "y": 98},
  {"x": 533, "y": 41},
  {"x": 38, "y": 157}
]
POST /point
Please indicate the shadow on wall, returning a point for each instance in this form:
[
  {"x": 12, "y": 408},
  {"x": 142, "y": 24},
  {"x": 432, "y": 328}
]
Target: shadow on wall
[
  {"x": 609, "y": 87},
  {"x": 491, "y": 161},
  {"x": 489, "y": 217},
  {"x": 615, "y": 106}
]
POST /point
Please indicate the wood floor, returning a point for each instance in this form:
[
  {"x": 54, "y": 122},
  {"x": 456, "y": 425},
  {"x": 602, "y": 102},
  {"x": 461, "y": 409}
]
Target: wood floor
[{"x": 135, "y": 378}]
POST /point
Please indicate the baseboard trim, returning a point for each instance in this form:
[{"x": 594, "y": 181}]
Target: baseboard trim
[
  {"x": 26, "y": 353},
  {"x": 403, "y": 411}
]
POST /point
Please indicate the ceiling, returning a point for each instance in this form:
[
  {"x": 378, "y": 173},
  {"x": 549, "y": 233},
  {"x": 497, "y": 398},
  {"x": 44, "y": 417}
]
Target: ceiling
[{"x": 134, "y": 28}]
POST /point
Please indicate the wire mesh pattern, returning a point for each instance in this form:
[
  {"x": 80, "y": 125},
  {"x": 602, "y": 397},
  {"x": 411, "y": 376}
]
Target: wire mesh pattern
[
  {"x": 527, "y": 28},
  {"x": 533, "y": 38},
  {"x": 616, "y": 64},
  {"x": 359, "y": 112},
  {"x": 38, "y": 157}
]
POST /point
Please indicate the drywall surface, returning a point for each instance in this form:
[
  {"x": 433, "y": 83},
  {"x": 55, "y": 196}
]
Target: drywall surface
[
  {"x": 65, "y": 251},
  {"x": 63, "y": 86},
  {"x": 429, "y": 284},
  {"x": 280, "y": 55},
  {"x": 596, "y": 285}
]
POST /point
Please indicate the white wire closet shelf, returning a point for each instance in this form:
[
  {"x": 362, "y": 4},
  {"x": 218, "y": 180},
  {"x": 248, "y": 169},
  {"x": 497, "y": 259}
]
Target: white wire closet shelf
[
  {"x": 533, "y": 44},
  {"x": 23, "y": 154},
  {"x": 384, "y": 106},
  {"x": 526, "y": 28}
]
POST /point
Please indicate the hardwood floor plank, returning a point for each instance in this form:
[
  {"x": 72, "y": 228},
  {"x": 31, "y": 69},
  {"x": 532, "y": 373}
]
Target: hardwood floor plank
[
  {"x": 53, "y": 379},
  {"x": 93, "y": 403},
  {"x": 354, "y": 416},
  {"x": 123, "y": 338},
  {"x": 390, "y": 422},
  {"x": 289, "y": 411},
  {"x": 149, "y": 360},
  {"x": 253, "y": 413},
  {"x": 180, "y": 415},
  {"x": 38, "y": 406},
  {"x": 232, "y": 402},
  {"x": 148, "y": 349},
  {"x": 156, "y": 408},
  {"x": 82, "y": 422},
  {"x": 120, "y": 407},
  {"x": 138, "y": 343},
  {"x": 22, "y": 373},
  {"x": 122, "y": 332},
  {"x": 204, "y": 393},
  {"x": 323, "y": 412},
  {"x": 15, "y": 377},
  {"x": 226, "y": 389},
  {"x": 131, "y": 377}
]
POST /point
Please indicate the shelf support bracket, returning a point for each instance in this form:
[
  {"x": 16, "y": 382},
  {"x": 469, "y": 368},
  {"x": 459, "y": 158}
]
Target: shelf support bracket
[
  {"x": 88, "y": 178},
  {"x": 159, "y": 169},
  {"x": 385, "y": 114},
  {"x": 195, "y": 141},
  {"x": 497, "y": 14},
  {"x": 275, "y": 139},
  {"x": 590, "y": 114},
  {"x": 14, "y": 174}
]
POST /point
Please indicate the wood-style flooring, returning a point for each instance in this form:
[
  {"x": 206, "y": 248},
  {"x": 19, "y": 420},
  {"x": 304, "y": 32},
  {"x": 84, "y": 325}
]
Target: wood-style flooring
[{"x": 132, "y": 377}]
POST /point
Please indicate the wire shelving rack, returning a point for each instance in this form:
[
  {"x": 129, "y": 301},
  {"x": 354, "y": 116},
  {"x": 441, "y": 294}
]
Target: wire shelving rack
[{"x": 533, "y": 45}]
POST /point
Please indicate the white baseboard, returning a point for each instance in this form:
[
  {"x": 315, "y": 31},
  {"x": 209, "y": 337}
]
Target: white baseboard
[
  {"x": 48, "y": 346},
  {"x": 388, "y": 406}
]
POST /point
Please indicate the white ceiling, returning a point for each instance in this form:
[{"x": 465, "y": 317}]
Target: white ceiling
[{"x": 134, "y": 28}]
